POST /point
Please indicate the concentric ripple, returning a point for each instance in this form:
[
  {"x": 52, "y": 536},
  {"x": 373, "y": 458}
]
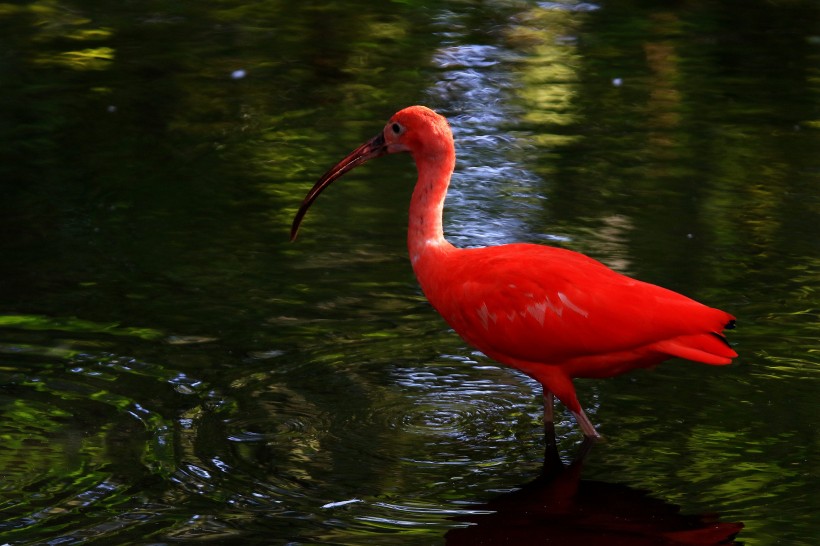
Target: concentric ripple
[
  {"x": 81, "y": 429},
  {"x": 115, "y": 447}
]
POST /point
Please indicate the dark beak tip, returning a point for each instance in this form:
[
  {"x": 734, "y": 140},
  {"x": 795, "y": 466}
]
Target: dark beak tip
[{"x": 375, "y": 147}]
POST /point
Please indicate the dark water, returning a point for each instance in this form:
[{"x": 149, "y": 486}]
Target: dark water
[{"x": 173, "y": 370}]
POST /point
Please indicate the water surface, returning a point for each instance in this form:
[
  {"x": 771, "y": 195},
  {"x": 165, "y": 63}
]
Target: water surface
[{"x": 173, "y": 369}]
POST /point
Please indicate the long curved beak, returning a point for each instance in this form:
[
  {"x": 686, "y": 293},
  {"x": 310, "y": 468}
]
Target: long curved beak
[{"x": 375, "y": 147}]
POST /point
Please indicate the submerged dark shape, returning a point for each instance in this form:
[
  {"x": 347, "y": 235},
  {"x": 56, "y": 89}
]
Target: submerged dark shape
[{"x": 559, "y": 508}]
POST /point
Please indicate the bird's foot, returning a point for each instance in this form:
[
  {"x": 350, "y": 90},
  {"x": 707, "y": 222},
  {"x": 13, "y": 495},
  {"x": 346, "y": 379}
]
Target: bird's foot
[{"x": 587, "y": 427}]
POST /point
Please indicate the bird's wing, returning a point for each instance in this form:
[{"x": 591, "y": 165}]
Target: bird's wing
[{"x": 543, "y": 304}]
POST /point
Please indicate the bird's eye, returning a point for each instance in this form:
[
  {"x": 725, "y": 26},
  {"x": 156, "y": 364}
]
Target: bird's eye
[{"x": 396, "y": 128}]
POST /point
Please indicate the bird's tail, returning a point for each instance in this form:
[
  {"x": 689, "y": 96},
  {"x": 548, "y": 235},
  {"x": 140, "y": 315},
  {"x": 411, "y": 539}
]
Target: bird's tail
[{"x": 711, "y": 348}]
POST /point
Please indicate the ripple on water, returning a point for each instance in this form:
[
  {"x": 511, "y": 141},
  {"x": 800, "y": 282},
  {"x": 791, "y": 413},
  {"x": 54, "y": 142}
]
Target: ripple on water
[
  {"x": 336, "y": 442},
  {"x": 80, "y": 431},
  {"x": 109, "y": 446}
]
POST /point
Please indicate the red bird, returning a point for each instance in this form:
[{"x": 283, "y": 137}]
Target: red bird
[{"x": 554, "y": 314}]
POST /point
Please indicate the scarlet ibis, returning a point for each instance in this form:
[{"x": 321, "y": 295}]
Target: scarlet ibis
[{"x": 552, "y": 313}]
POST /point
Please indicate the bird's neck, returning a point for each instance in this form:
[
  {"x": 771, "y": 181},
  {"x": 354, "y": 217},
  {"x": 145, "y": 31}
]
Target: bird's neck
[{"x": 425, "y": 232}]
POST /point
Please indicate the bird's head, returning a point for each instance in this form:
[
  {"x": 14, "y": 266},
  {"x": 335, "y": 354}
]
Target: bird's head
[
  {"x": 420, "y": 131},
  {"x": 415, "y": 129}
]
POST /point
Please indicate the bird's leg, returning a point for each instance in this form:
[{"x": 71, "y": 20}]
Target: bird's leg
[
  {"x": 549, "y": 398},
  {"x": 549, "y": 416},
  {"x": 586, "y": 425},
  {"x": 552, "y": 460}
]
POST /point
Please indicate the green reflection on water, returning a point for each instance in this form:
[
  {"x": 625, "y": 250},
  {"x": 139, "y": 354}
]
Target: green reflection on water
[
  {"x": 74, "y": 325},
  {"x": 152, "y": 158}
]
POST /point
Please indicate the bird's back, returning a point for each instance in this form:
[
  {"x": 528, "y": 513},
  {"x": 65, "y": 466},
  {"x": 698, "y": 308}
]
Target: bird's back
[{"x": 525, "y": 303}]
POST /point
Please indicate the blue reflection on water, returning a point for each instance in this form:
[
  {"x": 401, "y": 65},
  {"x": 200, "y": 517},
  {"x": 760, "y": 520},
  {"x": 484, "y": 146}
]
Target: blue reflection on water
[{"x": 474, "y": 85}]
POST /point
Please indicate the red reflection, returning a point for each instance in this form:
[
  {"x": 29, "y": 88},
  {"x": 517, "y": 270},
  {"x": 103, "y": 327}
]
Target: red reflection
[{"x": 559, "y": 508}]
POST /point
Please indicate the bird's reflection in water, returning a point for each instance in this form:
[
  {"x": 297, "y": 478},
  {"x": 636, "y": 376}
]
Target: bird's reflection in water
[{"x": 560, "y": 508}]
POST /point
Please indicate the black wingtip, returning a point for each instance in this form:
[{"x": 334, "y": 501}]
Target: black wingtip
[{"x": 723, "y": 339}]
